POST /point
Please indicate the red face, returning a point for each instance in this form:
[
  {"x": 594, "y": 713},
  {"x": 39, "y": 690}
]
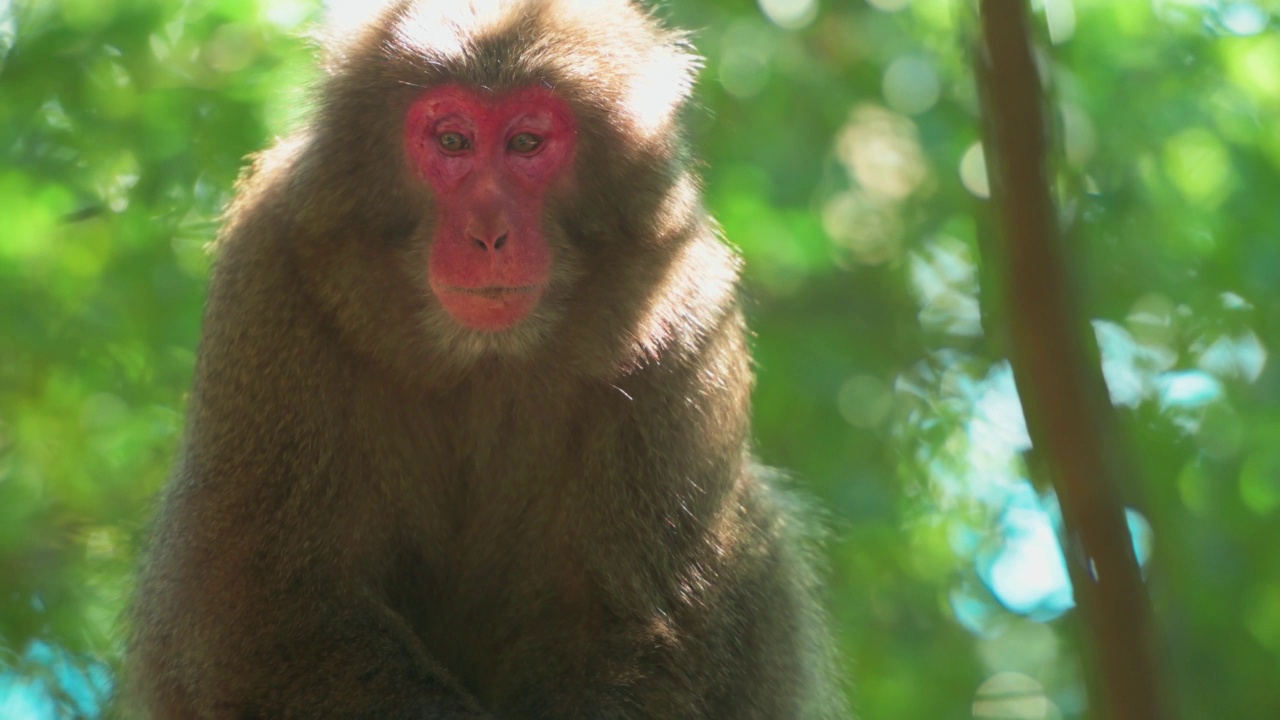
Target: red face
[{"x": 490, "y": 162}]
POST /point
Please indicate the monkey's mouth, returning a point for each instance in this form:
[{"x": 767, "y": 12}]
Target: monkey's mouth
[
  {"x": 491, "y": 308},
  {"x": 495, "y": 292}
]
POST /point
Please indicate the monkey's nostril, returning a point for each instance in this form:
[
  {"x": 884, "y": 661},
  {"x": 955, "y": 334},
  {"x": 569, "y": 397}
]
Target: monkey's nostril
[{"x": 496, "y": 245}]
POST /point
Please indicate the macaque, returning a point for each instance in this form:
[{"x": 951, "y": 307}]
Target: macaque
[{"x": 469, "y": 436}]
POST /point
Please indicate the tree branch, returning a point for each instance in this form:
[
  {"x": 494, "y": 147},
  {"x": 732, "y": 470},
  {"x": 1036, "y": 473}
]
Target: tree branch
[{"x": 1055, "y": 365}]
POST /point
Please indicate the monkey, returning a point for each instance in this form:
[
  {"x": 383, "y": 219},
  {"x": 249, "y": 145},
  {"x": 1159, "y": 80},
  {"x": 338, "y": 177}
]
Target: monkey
[{"x": 469, "y": 434}]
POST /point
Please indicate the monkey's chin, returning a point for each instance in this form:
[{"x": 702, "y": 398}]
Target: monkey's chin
[{"x": 490, "y": 309}]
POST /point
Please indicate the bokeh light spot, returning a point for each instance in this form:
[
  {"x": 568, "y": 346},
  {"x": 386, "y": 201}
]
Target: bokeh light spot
[
  {"x": 1011, "y": 696},
  {"x": 1141, "y": 533},
  {"x": 1243, "y": 18},
  {"x": 1060, "y": 16},
  {"x": 1187, "y": 389},
  {"x": 790, "y": 14},
  {"x": 1262, "y": 615},
  {"x": 1080, "y": 140},
  {"x": 230, "y": 49},
  {"x": 973, "y": 171},
  {"x": 1199, "y": 166},
  {"x": 911, "y": 85},
  {"x": 1130, "y": 367},
  {"x": 1251, "y": 65},
  {"x": 882, "y": 151},
  {"x": 1029, "y": 574},
  {"x": 1239, "y": 356},
  {"x": 867, "y": 229},
  {"x": 8, "y": 30},
  {"x": 974, "y": 609},
  {"x": 87, "y": 15},
  {"x": 744, "y": 58},
  {"x": 1260, "y": 480},
  {"x": 864, "y": 401},
  {"x": 287, "y": 14},
  {"x": 944, "y": 279},
  {"x": 53, "y": 683},
  {"x": 1151, "y": 320}
]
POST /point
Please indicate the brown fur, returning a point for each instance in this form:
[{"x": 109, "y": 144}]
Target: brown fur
[{"x": 380, "y": 514}]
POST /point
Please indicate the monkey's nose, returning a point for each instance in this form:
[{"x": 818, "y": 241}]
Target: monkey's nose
[{"x": 496, "y": 243}]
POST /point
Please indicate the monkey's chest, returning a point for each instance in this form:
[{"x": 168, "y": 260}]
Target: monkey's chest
[
  {"x": 513, "y": 594},
  {"x": 530, "y": 528}
]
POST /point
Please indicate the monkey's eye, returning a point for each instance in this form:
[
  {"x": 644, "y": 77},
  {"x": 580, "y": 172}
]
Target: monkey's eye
[
  {"x": 452, "y": 142},
  {"x": 525, "y": 143}
]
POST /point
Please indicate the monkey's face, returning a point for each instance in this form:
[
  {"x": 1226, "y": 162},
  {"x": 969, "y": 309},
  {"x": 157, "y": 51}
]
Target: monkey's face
[{"x": 490, "y": 162}]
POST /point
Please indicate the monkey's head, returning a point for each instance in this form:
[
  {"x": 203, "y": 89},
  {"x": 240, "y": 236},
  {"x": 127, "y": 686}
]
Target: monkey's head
[{"x": 504, "y": 179}]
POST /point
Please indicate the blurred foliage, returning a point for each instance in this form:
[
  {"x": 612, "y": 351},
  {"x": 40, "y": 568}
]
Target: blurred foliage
[{"x": 841, "y": 147}]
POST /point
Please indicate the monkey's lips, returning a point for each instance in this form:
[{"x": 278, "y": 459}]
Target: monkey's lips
[{"x": 491, "y": 308}]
